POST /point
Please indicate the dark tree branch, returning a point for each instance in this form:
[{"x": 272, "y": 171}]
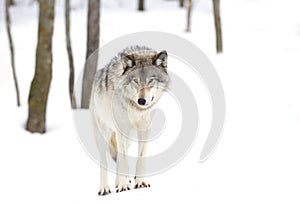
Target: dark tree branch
[
  {"x": 181, "y": 3},
  {"x": 189, "y": 13},
  {"x": 70, "y": 55},
  {"x": 218, "y": 27},
  {"x": 93, "y": 35},
  {"x": 11, "y": 46},
  {"x": 141, "y": 6},
  {"x": 11, "y": 2}
]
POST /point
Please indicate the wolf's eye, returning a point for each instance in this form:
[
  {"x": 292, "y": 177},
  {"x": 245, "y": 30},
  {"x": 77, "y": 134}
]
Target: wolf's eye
[
  {"x": 135, "y": 80},
  {"x": 151, "y": 80}
]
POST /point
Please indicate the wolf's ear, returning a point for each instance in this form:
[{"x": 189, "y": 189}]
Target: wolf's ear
[
  {"x": 161, "y": 59},
  {"x": 128, "y": 62}
]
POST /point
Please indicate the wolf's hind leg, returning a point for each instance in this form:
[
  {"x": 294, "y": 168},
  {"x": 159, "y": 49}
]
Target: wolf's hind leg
[{"x": 113, "y": 149}]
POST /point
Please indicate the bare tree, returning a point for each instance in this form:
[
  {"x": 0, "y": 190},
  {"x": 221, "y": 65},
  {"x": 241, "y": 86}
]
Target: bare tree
[
  {"x": 93, "y": 34},
  {"x": 189, "y": 13},
  {"x": 218, "y": 26},
  {"x": 141, "y": 6},
  {"x": 70, "y": 55},
  {"x": 181, "y": 3},
  {"x": 38, "y": 96},
  {"x": 11, "y": 46}
]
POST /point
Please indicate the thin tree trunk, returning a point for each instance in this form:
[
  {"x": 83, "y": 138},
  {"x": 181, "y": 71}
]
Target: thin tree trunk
[
  {"x": 141, "y": 5},
  {"x": 93, "y": 34},
  {"x": 12, "y": 51},
  {"x": 70, "y": 55},
  {"x": 218, "y": 27},
  {"x": 10, "y": 2},
  {"x": 189, "y": 13},
  {"x": 181, "y": 3},
  {"x": 38, "y": 96}
]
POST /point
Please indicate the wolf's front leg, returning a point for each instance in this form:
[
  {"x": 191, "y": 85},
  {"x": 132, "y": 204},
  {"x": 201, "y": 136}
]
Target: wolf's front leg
[
  {"x": 104, "y": 186},
  {"x": 122, "y": 179},
  {"x": 102, "y": 147},
  {"x": 140, "y": 181}
]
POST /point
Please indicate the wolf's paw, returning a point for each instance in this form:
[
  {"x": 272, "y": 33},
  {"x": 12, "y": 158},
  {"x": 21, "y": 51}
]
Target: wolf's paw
[
  {"x": 122, "y": 187},
  {"x": 141, "y": 183},
  {"x": 104, "y": 191}
]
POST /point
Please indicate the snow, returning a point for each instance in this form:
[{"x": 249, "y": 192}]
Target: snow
[{"x": 257, "y": 160}]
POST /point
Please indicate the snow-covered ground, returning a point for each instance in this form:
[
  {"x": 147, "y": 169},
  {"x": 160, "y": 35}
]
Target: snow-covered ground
[{"x": 257, "y": 160}]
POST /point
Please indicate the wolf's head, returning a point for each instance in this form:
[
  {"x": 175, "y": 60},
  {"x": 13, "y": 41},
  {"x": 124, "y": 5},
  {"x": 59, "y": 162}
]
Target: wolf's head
[{"x": 145, "y": 78}]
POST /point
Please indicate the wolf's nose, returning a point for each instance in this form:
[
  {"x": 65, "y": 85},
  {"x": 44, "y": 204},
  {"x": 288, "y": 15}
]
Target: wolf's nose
[{"x": 141, "y": 101}]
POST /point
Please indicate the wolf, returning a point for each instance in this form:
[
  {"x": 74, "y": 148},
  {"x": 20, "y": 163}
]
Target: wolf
[{"x": 123, "y": 95}]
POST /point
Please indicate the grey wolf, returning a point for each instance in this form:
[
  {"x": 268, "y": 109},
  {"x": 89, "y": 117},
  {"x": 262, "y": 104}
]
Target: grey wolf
[{"x": 123, "y": 95}]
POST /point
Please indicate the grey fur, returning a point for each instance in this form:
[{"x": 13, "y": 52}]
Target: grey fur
[{"x": 109, "y": 77}]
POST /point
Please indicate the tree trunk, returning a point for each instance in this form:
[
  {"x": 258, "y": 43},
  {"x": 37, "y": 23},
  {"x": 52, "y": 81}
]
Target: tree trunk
[
  {"x": 189, "y": 12},
  {"x": 93, "y": 34},
  {"x": 141, "y": 5},
  {"x": 70, "y": 55},
  {"x": 12, "y": 52},
  {"x": 10, "y": 2},
  {"x": 181, "y": 3},
  {"x": 218, "y": 26},
  {"x": 37, "y": 101}
]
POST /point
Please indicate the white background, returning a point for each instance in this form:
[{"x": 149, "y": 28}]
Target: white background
[{"x": 257, "y": 160}]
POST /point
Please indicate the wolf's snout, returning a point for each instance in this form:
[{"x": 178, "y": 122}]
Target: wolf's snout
[{"x": 141, "y": 101}]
